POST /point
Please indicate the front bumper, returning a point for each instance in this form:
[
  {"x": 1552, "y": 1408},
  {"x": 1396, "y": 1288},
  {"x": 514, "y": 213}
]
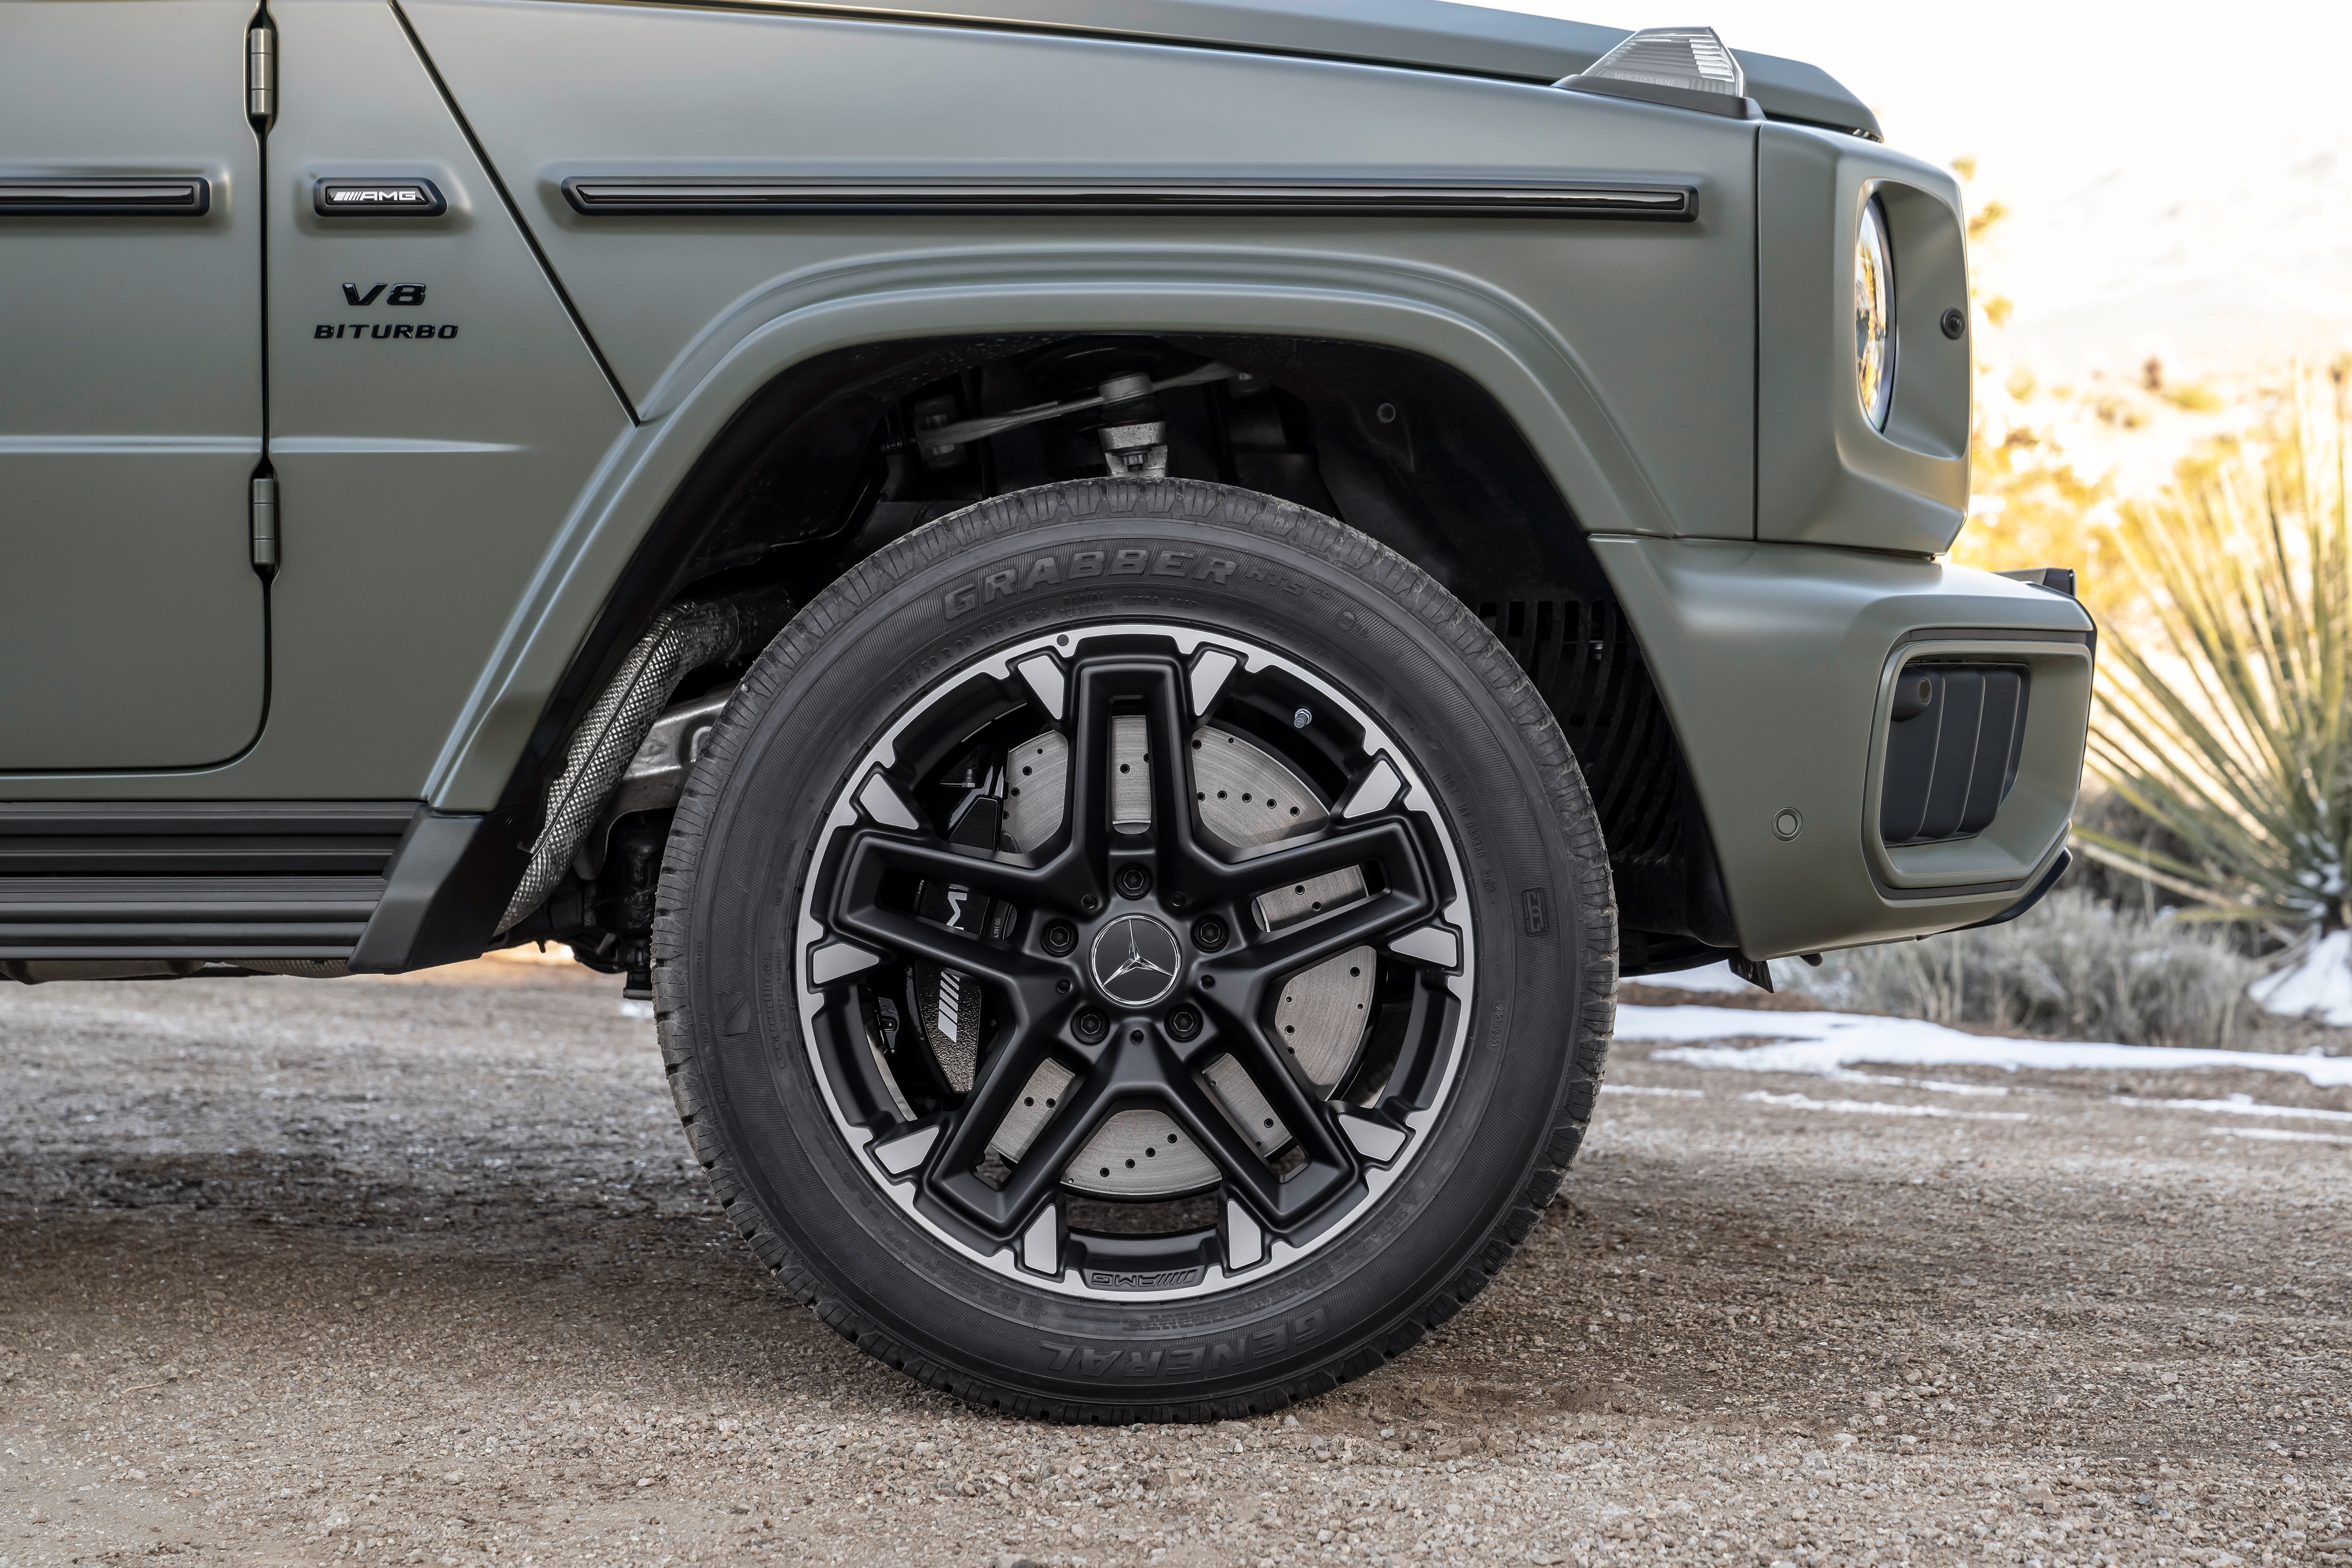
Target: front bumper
[{"x": 1777, "y": 663}]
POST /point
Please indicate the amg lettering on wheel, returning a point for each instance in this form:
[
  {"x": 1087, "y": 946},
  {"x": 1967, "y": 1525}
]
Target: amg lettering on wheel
[{"x": 1131, "y": 969}]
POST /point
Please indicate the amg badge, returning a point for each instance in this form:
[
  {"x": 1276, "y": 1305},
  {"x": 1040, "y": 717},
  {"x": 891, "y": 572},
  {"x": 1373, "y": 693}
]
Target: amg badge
[{"x": 377, "y": 198}]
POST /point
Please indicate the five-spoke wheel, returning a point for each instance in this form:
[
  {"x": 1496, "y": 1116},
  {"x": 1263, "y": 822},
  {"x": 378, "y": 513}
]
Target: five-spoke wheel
[
  {"x": 1134, "y": 952},
  {"x": 1131, "y": 960}
]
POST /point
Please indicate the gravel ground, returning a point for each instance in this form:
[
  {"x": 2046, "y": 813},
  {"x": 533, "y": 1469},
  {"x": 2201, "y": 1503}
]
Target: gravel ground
[{"x": 301, "y": 1272}]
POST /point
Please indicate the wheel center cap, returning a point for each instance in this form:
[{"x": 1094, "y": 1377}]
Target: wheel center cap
[{"x": 1134, "y": 961}]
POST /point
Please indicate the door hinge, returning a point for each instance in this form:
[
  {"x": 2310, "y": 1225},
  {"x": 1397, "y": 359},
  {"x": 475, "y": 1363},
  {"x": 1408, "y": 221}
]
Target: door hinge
[
  {"x": 260, "y": 73},
  {"x": 264, "y": 522}
]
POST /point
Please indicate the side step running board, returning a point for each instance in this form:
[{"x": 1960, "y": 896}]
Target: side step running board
[{"x": 207, "y": 880}]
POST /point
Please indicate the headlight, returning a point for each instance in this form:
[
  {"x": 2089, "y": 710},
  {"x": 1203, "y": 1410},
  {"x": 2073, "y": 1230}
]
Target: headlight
[{"x": 1874, "y": 316}]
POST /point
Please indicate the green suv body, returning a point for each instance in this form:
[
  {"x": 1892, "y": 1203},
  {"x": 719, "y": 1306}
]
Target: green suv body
[{"x": 449, "y": 448}]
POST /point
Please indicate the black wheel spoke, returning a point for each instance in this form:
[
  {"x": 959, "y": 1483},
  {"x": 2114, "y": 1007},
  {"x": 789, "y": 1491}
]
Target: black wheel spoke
[
  {"x": 1278, "y": 1202},
  {"x": 1386, "y": 845},
  {"x": 873, "y": 852},
  {"x": 1004, "y": 1211},
  {"x": 1255, "y": 969},
  {"x": 1029, "y": 982},
  {"x": 1112, "y": 693}
]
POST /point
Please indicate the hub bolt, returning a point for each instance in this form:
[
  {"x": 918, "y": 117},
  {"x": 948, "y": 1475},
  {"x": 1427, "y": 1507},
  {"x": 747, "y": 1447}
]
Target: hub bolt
[
  {"x": 1208, "y": 934},
  {"x": 1183, "y": 1023},
  {"x": 1060, "y": 937},
  {"x": 1132, "y": 881},
  {"x": 1090, "y": 1026}
]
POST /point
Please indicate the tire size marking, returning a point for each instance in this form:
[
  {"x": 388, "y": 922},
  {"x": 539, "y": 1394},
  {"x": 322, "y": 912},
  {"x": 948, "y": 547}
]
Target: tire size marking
[
  {"x": 1475, "y": 846},
  {"x": 1026, "y": 572},
  {"x": 1121, "y": 1362}
]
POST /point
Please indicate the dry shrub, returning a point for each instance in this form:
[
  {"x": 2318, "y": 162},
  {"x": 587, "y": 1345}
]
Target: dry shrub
[{"x": 2071, "y": 968}]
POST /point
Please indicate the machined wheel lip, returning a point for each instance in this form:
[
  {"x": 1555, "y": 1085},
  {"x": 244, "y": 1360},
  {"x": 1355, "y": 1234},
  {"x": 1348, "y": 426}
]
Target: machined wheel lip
[{"x": 1411, "y": 793}]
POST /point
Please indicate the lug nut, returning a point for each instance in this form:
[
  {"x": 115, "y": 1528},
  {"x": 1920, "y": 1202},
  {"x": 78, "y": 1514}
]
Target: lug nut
[
  {"x": 1183, "y": 1023},
  {"x": 1132, "y": 881},
  {"x": 1060, "y": 937},
  {"x": 1208, "y": 934},
  {"x": 1090, "y": 1026}
]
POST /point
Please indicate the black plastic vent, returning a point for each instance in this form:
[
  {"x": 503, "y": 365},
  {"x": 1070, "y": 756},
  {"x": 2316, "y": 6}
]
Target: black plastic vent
[
  {"x": 1582, "y": 657},
  {"x": 1580, "y": 654},
  {"x": 1951, "y": 750}
]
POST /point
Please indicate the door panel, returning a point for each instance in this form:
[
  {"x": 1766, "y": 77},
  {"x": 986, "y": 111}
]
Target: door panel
[
  {"x": 131, "y": 622},
  {"x": 435, "y": 413}
]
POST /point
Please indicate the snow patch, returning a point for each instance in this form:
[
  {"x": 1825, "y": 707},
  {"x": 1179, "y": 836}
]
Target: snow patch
[
  {"x": 1937, "y": 1085},
  {"x": 1826, "y": 1044},
  {"x": 1676, "y": 1093},
  {"x": 1881, "y": 1108},
  {"x": 2237, "y": 1104},
  {"x": 634, "y": 1009},
  {"x": 2318, "y": 984},
  {"x": 2279, "y": 1135}
]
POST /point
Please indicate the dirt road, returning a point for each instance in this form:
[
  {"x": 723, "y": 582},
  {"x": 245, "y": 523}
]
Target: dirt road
[{"x": 307, "y": 1272}]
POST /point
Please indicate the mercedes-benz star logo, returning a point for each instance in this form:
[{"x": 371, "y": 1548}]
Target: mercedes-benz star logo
[{"x": 1135, "y": 960}]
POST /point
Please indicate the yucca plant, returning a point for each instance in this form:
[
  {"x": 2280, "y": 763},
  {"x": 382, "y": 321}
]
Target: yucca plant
[{"x": 2223, "y": 713}]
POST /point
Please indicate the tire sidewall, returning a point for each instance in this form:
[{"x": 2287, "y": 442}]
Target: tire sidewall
[{"x": 949, "y": 596}]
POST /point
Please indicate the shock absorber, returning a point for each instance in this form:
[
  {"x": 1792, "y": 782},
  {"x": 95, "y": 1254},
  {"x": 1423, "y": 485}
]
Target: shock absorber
[{"x": 1134, "y": 437}]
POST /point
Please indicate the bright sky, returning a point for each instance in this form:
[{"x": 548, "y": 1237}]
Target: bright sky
[{"x": 2181, "y": 175}]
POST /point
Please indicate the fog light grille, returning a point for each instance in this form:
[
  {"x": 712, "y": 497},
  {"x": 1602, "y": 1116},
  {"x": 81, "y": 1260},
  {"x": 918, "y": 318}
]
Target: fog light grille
[{"x": 1951, "y": 750}]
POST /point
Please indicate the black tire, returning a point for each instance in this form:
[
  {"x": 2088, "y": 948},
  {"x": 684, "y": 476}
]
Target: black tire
[{"x": 747, "y": 840}]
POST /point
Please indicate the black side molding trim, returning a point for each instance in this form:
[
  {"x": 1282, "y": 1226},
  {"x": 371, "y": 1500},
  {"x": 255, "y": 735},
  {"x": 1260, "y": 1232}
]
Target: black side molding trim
[
  {"x": 77, "y": 195},
  {"x": 618, "y": 195},
  {"x": 193, "y": 881}
]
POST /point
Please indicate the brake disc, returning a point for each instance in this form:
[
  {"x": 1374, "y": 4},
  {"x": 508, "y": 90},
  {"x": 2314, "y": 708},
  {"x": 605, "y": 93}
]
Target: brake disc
[
  {"x": 1321, "y": 1017},
  {"x": 1036, "y": 784},
  {"x": 1140, "y": 1154},
  {"x": 1246, "y": 796}
]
